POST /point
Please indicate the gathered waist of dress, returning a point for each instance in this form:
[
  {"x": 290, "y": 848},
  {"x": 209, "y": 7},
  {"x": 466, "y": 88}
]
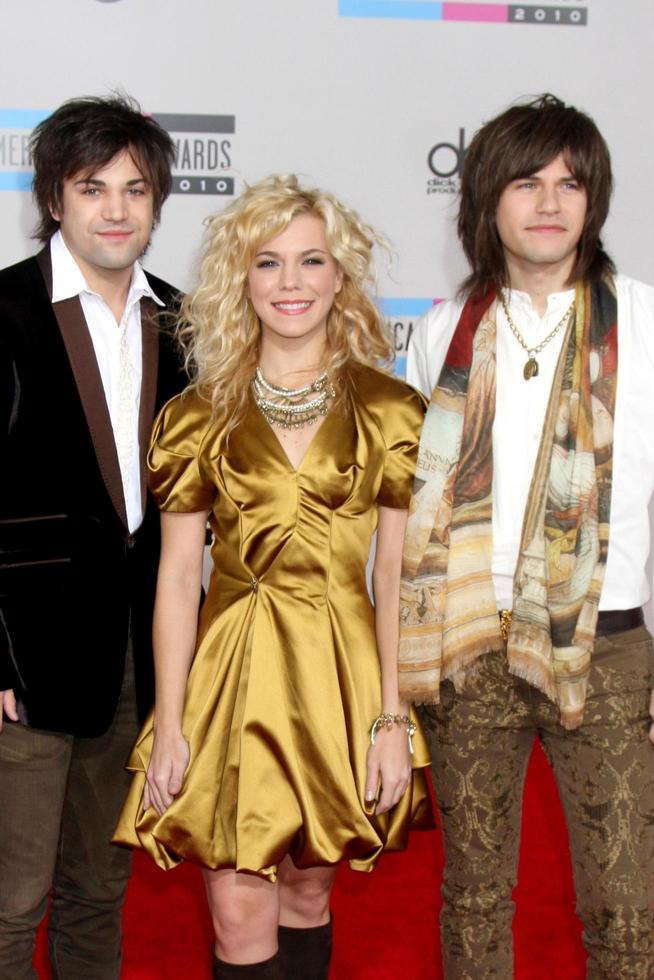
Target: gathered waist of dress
[{"x": 309, "y": 586}]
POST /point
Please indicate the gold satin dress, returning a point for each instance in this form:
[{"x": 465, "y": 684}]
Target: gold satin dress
[{"x": 285, "y": 682}]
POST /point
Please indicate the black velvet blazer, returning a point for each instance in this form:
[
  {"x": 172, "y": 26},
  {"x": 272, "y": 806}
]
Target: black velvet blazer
[{"x": 72, "y": 578}]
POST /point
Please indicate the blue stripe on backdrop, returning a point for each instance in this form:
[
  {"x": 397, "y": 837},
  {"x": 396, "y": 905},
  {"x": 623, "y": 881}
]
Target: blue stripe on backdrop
[
  {"x": 16, "y": 180},
  {"x": 400, "y": 9},
  {"x": 19, "y": 180},
  {"x": 404, "y": 306},
  {"x": 22, "y": 118}
]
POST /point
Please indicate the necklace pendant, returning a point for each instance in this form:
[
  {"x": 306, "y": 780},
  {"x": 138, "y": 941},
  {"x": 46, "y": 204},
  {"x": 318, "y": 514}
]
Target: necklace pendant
[{"x": 530, "y": 369}]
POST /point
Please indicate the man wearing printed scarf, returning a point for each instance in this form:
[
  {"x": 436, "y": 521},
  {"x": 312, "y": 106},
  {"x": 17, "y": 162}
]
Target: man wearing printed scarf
[{"x": 527, "y": 544}]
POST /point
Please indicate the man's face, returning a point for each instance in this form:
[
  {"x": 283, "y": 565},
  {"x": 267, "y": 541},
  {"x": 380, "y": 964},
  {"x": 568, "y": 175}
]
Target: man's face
[
  {"x": 540, "y": 219},
  {"x": 106, "y": 217}
]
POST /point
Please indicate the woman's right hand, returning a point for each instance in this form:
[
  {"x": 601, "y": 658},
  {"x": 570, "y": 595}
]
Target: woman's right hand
[{"x": 170, "y": 756}]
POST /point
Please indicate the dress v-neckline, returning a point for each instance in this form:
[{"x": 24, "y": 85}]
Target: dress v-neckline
[{"x": 274, "y": 438}]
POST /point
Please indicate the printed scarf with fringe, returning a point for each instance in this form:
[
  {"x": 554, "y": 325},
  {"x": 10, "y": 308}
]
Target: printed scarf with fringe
[{"x": 448, "y": 615}]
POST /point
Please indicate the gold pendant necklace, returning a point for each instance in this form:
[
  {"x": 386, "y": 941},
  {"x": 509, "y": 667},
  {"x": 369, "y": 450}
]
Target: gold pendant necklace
[{"x": 530, "y": 370}]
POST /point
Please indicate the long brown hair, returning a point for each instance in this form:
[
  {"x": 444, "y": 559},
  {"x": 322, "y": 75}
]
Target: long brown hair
[{"x": 518, "y": 143}]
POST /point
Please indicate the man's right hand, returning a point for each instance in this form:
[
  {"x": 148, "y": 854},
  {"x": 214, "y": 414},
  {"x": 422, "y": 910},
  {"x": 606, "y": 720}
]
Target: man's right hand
[{"x": 8, "y": 705}]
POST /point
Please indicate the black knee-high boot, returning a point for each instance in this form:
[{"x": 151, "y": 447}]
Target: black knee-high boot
[
  {"x": 266, "y": 970},
  {"x": 305, "y": 954}
]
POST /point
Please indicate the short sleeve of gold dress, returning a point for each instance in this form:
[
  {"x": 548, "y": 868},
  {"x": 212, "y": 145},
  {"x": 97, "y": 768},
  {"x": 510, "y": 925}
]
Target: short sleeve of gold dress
[{"x": 285, "y": 682}]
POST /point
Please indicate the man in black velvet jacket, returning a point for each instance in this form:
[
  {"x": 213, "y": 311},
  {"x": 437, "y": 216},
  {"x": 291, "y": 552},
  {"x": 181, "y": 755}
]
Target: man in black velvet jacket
[{"x": 86, "y": 359}]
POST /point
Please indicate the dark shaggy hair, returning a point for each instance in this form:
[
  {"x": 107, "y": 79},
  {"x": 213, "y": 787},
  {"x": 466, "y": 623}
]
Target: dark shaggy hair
[
  {"x": 84, "y": 135},
  {"x": 518, "y": 143}
]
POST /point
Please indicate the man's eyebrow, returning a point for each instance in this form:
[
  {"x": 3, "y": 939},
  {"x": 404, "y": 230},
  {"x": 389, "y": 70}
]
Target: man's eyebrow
[
  {"x": 533, "y": 175},
  {"x": 101, "y": 183}
]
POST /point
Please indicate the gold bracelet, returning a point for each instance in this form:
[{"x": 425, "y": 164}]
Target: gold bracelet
[{"x": 387, "y": 720}]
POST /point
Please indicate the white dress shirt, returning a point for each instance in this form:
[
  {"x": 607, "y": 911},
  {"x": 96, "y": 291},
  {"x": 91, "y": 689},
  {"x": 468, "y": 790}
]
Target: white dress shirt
[
  {"x": 520, "y": 413},
  {"x": 118, "y": 351}
]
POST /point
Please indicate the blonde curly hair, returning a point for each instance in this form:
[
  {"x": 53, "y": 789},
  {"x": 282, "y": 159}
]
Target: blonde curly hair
[{"x": 218, "y": 328}]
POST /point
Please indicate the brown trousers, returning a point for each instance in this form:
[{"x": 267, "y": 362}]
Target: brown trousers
[
  {"x": 481, "y": 739},
  {"x": 60, "y": 798}
]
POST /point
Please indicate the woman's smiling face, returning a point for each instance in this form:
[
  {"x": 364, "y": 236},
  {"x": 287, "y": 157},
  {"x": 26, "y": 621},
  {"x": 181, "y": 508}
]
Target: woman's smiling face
[{"x": 293, "y": 279}]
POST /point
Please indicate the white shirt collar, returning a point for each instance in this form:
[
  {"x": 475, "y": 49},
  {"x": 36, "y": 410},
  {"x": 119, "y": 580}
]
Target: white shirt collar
[
  {"x": 68, "y": 279},
  {"x": 555, "y": 301}
]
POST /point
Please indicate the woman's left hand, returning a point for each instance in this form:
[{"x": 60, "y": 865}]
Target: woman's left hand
[{"x": 389, "y": 762}]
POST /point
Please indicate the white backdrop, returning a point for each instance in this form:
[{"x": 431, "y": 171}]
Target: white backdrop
[
  {"x": 355, "y": 103},
  {"x": 356, "y": 95}
]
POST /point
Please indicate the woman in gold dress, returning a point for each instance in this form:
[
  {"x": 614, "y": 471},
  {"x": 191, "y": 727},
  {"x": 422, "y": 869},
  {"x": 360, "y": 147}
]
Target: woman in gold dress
[{"x": 258, "y": 763}]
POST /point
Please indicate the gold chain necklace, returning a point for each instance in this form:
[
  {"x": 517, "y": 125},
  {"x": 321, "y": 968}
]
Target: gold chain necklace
[
  {"x": 530, "y": 369},
  {"x": 292, "y": 408}
]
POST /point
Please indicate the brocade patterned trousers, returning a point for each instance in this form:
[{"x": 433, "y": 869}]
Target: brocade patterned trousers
[{"x": 481, "y": 740}]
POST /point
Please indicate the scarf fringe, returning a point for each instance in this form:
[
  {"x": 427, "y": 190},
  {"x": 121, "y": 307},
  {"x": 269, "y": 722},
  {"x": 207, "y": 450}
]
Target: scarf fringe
[
  {"x": 460, "y": 666},
  {"x": 417, "y": 695},
  {"x": 534, "y": 674},
  {"x": 571, "y": 720}
]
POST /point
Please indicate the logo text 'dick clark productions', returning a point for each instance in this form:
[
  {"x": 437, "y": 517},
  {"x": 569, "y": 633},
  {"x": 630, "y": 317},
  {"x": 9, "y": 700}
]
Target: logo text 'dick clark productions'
[
  {"x": 445, "y": 162},
  {"x": 203, "y": 151}
]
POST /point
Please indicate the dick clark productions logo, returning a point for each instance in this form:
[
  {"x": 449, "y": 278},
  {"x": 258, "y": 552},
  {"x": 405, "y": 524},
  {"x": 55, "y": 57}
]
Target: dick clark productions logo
[{"x": 445, "y": 161}]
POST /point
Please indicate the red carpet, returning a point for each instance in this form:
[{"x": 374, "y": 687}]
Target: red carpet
[{"x": 385, "y": 922}]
